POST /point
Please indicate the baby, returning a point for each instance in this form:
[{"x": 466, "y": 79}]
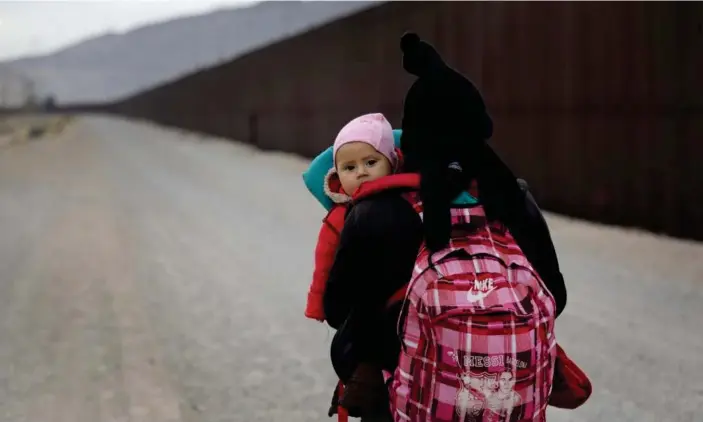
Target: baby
[{"x": 363, "y": 151}]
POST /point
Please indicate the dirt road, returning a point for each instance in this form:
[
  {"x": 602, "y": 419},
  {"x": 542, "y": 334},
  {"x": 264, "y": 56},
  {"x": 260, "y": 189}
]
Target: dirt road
[{"x": 152, "y": 275}]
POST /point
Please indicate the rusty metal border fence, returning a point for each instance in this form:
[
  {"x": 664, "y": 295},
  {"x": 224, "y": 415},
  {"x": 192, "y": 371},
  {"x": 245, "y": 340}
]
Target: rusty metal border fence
[{"x": 599, "y": 105}]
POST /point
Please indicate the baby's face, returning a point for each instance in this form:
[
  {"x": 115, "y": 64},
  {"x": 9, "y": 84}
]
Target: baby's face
[{"x": 359, "y": 162}]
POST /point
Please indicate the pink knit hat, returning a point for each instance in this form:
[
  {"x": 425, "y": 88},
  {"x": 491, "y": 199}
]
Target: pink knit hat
[{"x": 372, "y": 129}]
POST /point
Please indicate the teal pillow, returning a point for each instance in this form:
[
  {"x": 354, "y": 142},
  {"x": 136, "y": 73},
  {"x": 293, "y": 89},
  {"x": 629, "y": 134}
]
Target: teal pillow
[{"x": 314, "y": 177}]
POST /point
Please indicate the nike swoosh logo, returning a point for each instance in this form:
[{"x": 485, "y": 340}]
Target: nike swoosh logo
[{"x": 473, "y": 297}]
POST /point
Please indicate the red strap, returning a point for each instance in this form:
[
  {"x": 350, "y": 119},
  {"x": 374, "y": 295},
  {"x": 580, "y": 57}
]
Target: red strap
[
  {"x": 399, "y": 180},
  {"x": 342, "y": 414},
  {"x": 398, "y": 296}
]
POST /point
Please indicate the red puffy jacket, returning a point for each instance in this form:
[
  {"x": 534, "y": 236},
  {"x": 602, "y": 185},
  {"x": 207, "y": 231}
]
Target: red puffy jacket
[
  {"x": 332, "y": 225},
  {"x": 327, "y": 242}
]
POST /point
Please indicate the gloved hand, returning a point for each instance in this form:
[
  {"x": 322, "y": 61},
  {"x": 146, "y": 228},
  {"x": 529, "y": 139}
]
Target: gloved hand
[{"x": 366, "y": 393}]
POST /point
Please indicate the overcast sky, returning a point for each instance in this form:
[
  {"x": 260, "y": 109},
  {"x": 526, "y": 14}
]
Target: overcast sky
[{"x": 29, "y": 27}]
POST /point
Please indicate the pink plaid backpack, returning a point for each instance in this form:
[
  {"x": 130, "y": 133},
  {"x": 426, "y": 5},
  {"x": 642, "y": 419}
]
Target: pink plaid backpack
[{"x": 477, "y": 330}]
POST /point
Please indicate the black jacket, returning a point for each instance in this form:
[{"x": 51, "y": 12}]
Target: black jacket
[{"x": 375, "y": 257}]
